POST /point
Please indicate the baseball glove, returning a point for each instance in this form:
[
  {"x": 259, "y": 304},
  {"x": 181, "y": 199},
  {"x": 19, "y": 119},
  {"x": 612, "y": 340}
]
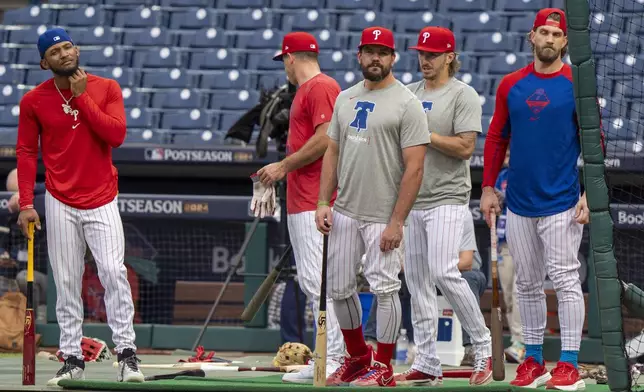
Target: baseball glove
[{"x": 292, "y": 354}]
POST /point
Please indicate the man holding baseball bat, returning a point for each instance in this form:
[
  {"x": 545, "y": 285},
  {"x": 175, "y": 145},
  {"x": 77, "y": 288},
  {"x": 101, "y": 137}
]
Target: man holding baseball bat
[
  {"x": 436, "y": 222},
  {"x": 535, "y": 115},
  {"x": 377, "y": 142}
]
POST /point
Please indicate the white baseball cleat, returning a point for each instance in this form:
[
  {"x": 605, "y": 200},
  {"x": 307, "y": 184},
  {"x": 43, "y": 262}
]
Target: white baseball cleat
[
  {"x": 73, "y": 369},
  {"x": 129, "y": 367},
  {"x": 305, "y": 376}
]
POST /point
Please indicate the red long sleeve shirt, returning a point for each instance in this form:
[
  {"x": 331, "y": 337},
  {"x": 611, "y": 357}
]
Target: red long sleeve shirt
[{"x": 76, "y": 152}]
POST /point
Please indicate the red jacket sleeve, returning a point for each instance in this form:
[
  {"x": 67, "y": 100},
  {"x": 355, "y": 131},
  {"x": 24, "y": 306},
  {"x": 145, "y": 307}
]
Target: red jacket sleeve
[
  {"x": 27, "y": 153},
  {"x": 108, "y": 125},
  {"x": 498, "y": 136}
]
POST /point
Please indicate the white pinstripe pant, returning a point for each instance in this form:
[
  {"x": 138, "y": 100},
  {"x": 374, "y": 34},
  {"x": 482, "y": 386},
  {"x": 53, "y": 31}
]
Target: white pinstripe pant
[
  {"x": 307, "y": 244},
  {"x": 549, "y": 245},
  {"x": 431, "y": 258},
  {"x": 68, "y": 231}
]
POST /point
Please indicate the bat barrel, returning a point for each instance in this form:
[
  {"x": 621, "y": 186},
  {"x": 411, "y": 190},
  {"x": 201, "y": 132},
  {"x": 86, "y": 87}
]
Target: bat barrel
[{"x": 29, "y": 335}]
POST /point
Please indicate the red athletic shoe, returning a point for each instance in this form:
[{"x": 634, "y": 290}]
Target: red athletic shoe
[
  {"x": 530, "y": 374},
  {"x": 482, "y": 372},
  {"x": 352, "y": 368},
  {"x": 415, "y": 377},
  {"x": 565, "y": 377},
  {"x": 379, "y": 375}
]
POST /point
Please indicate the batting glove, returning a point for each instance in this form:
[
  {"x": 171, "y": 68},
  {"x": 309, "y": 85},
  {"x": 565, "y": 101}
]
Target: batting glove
[{"x": 263, "y": 202}]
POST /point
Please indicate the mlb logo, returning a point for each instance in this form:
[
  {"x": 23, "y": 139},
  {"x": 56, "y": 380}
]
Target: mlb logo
[{"x": 154, "y": 154}]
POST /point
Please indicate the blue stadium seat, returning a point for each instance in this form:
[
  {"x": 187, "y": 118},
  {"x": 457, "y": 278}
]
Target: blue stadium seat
[
  {"x": 139, "y": 17},
  {"x": 33, "y": 15},
  {"x": 186, "y": 119},
  {"x": 243, "y": 3},
  {"x": 185, "y": 3},
  {"x": 27, "y": 36},
  {"x": 188, "y": 138},
  {"x": 492, "y": 42},
  {"x": 8, "y": 136},
  {"x": 308, "y": 20},
  {"x": 468, "y": 64},
  {"x": 157, "y": 58},
  {"x": 133, "y": 98},
  {"x": 99, "y": 36},
  {"x": 466, "y": 5},
  {"x": 606, "y": 23},
  {"x": 522, "y": 5},
  {"x": 215, "y": 59},
  {"x": 613, "y": 43},
  {"x": 260, "y": 39},
  {"x": 234, "y": 100},
  {"x": 612, "y": 108},
  {"x": 346, "y": 79},
  {"x": 75, "y": 2},
  {"x": 143, "y": 136},
  {"x": 28, "y": 56},
  {"x": 409, "y": 5},
  {"x": 227, "y": 120},
  {"x": 634, "y": 25},
  {"x": 296, "y": 4},
  {"x": 208, "y": 37},
  {"x": 633, "y": 89},
  {"x": 621, "y": 128},
  {"x": 360, "y": 20},
  {"x": 413, "y": 23},
  {"x": 351, "y": 4},
  {"x": 485, "y": 124},
  {"x": 6, "y": 55},
  {"x": 522, "y": 24},
  {"x": 627, "y": 6},
  {"x": 487, "y": 103},
  {"x": 619, "y": 147},
  {"x": 176, "y": 78},
  {"x": 264, "y": 61},
  {"x": 82, "y": 17},
  {"x": 11, "y": 75},
  {"x": 9, "y": 118},
  {"x": 231, "y": 79},
  {"x": 178, "y": 99},
  {"x": 405, "y": 61},
  {"x": 249, "y": 20},
  {"x": 337, "y": 60},
  {"x": 621, "y": 65},
  {"x": 477, "y": 81},
  {"x": 107, "y": 57},
  {"x": 131, "y": 2},
  {"x": 329, "y": 39},
  {"x": 10, "y": 95},
  {"x": 140, "y": 118},
  {"x": 604, "y": 86},
  {"x": 125, "y": 77},
  {"x": 194, "y": 18},
  {"x": 155, "y": 36},
  {"x": 479, "y": 22},
  {"x": 502, "y": 63},
  {"x": 270, "y": 80},
  {"x": 37, "y": 76}
]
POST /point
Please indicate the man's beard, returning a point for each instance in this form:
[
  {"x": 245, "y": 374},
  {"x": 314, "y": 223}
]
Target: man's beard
[
  {"x": 547, "y": 56},
  {"x": 66, "y": 72},
  {"x": 375, "y": 77}
]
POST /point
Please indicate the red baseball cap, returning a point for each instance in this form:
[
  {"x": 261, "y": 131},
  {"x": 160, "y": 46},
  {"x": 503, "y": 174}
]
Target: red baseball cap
[
  {"x": 298, "y": 42},
  {"x": 377, "y": 36},
  {"x": 542, "y": 19},
  {"x": 435, "y": 39}
]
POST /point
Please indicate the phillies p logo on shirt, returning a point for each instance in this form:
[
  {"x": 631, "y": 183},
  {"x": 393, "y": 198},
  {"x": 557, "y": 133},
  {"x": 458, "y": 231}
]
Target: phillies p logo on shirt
[{"x": 363, "y": 109}]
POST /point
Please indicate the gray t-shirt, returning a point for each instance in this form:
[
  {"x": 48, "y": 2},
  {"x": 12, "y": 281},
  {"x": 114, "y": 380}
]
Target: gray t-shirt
[
  {"x": 452, "y": 109},
  {"x": 372, "y": 128},
  {"x": 468, "y": 240}
]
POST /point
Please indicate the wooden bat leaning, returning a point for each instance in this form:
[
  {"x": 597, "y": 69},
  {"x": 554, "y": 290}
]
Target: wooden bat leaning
[
  {"x": 265, "y": 289},
  {"x": 29, "y": 336},
  {"x": 319, "y": 371},
  {"x": 211, "y": 367},
  {"x": 498, "y": 356}
]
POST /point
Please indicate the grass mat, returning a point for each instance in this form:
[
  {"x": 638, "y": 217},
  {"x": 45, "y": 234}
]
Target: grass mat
[{"x": 273, "y": 383}]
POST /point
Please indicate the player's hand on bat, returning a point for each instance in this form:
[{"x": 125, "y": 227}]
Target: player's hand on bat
[
  {"x": 324, "y": 219},
  {"x": 26, "y": 216},
  {"x": 489, "y": 204},
  {"x": 272, "y": 173},
  {"x": 582, "y": 213},
  {"x": 391, "y": 237},
  {"x": 78, "y": 82}
]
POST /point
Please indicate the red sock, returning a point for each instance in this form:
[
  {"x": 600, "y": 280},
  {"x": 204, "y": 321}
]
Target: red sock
[
  {"x": 354, "y": 340},
  {"x": 385, "y": 352}
]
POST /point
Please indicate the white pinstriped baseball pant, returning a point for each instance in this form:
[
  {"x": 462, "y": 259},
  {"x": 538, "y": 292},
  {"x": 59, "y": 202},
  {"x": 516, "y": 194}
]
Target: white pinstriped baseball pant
[{"x": 69, "y": 231}]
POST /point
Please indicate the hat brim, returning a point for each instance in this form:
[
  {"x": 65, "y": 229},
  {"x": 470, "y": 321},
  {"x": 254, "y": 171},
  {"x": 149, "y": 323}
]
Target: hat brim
[
  {"x": 279, "y": 57},
  {"x": 374, "y": 44},
  {"x": 431, "y": 50}
]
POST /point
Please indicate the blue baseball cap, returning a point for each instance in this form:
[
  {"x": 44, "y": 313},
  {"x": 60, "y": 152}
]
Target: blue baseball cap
[{"x": 50, "y": 38}]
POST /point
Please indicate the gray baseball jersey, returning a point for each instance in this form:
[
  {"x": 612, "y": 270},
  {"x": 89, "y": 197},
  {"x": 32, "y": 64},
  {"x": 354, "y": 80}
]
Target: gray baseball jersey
[
  {"x": 451, "y": 109},
  {"x": 468, "y": 241},
  {"x": 372, "y": 128}
]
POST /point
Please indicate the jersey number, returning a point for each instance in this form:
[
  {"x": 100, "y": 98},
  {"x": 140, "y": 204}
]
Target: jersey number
[{"x": 363, "y": 109}]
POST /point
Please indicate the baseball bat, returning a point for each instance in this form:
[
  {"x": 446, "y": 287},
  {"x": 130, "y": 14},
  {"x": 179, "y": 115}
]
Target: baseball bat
[
  {"x": 319, "y": 372},
  {"x": 265, "y": 289},
  {"x": 29, "y": 336},
  {"x": 205, "y": 366},
  {"x": 498, "y": 357},
  {"x": 172, "y": 376}
]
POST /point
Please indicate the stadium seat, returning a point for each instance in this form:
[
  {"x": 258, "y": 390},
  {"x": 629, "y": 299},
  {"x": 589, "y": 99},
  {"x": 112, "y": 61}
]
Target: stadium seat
[
  {"x": 9, "y": 116},
  {"x": 125, "y": 77},
  {"x": 466, "y": 5},
  {"x": 157, "y": 58},
  {"x": 234, "y": 100},
  {"x": 502, "y": 64},
  {"x": 620, "y": 128},
  {"x": 6, "y": 55},
  {"x": 619, "y": 148},
  {"x": 243, "y": 3},
  {"x": 177, "y": 99},
  {"x": 270, "y": 80},
  {"x": 8, "y": 136},
  {"x": 227, "y": 120},
  {"x": 625, "y": 6},
  {"x": 346, "y": 79},
  {"x": 141, "y": 118},
  {"x": 492, "y": 42},
  {"x": 131, "y": 2},
  {"x": 154, "y": 36},
  {"x": 522, "y": 5},
  {"x": 249, "y": 20},
  {"x": 10, "y": 95},
  {"x": 390, "y": 6},
  {"x": 143, "y": 136},
  {"x": 264, "y": 61},
  {"x": 485, "y": 124},
  {"x": 260, "y": 39},
  {"x": 208, "y": 37},
  {"x": 175, "y": 78},
  {"x": 633, "y": 89},
  {"x": 27, "y": 36},
  {"x": 37, "y": 76},
  {"x": 487, "y": 104},
  {"x": 33, "y": 15},
  {"x": 337, "y": 60},
  {"x": 522, "y": 24},
  {"x": 82, "y": 17},
  {"x": 139, "y": 17},
  {"x": 11, "y": 75},
  {"x": 133, "y": 98},
  {"x": 188, "y": 138},
  {"x": 98, "y": 36},
  {"x": 478, "y": 83},
  {"x": 196, "y": 18},
  {"x": 215, "y": 59},
  {"x": 360, "y": 20},
  {"x": 76, "y": 2},
  {"x": 308, "y": 20},
  {"x": 613, "y": 43},
  {"x": 413, "y": 23},
  {"x": 296, "y": 4},
  {"x": 480, "y": 22},
  {"x": 606, "y": 23},
  {"x": 230, "y": 79},
  {"x": 185, "y": 3},
  {"x": 351, "y": 4},
  {"x": 621, "y": 65},
  {"x": 28, "y": 56},
  {"x": 107, "y": 57},
  {"x": 186, "y": 119},
  {"x": 329, "y": 39}
]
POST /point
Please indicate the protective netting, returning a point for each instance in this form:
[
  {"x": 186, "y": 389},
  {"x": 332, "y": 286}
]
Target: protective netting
[{"x": 616, "y": 28}]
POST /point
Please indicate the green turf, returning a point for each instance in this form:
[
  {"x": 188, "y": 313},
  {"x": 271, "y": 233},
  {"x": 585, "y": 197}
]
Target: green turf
[{"x": 273, "y": 383}]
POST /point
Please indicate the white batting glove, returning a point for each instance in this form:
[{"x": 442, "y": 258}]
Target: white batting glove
[
  {"x": 259, "y": 190},
  {"x": 268, "y": 200}
]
